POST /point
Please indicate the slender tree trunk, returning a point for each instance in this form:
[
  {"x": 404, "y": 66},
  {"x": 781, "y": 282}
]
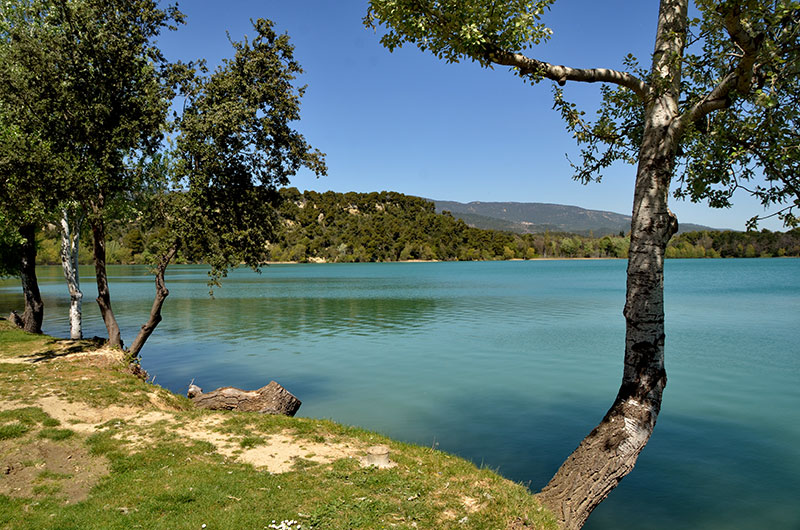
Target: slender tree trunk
[
  {"x": 71, "y": 220},
  {"x": 610, "y": 451},
  {"x": 103, "y": 295},
  {"x": 155, "y": 312},
  {"x": 34, "y": 307}
]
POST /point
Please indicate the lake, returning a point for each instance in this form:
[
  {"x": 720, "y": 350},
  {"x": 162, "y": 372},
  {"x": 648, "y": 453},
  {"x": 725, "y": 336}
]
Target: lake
[{"x": 508, "y": 364}]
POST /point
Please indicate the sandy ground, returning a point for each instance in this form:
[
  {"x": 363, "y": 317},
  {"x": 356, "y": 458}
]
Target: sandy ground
[{"x": 20, "y": 465}]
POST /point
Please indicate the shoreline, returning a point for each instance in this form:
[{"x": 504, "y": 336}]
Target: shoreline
[{"x": 81, "y": 435}]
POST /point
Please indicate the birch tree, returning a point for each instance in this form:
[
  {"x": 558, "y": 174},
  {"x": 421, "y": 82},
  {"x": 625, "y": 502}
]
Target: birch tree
[
  {"x": 71, "y": 222},
  {"x": 714, "y": 111}
]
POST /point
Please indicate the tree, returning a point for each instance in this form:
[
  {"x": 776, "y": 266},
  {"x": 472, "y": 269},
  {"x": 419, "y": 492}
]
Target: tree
[
  {"x": 713, "y": 117},
  {"x": 90, "y": 91},
  {"x": 26, "y": 151},
  {"x": 71, "y": 220},
  {"x": 235, "y": 146}
]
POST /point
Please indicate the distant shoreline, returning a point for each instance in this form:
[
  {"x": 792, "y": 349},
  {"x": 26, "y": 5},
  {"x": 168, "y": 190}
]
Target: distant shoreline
[{"x": 324, "y": 262}]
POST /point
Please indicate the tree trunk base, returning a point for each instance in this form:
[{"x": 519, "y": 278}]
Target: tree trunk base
[{"x": 271, "y": 399}]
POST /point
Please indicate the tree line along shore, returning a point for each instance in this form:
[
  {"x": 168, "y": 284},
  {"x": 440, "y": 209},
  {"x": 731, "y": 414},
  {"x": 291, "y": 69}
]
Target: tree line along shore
[{"x": 390, "y": 226}]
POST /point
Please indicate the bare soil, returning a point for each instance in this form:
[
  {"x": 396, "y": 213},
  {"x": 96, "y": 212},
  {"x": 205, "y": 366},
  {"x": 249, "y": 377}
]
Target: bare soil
[{"x": 66, "y": 466}]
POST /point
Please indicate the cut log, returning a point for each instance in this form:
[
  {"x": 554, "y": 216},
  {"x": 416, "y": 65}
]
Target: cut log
[{"x": 271, "y": 399}]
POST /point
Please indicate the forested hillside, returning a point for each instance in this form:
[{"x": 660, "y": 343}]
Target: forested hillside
[{"x": 390, "y": 226}]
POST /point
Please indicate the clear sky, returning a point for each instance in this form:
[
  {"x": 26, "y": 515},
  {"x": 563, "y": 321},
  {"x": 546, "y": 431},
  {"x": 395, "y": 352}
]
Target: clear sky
[{"x": 408, "y": 122}]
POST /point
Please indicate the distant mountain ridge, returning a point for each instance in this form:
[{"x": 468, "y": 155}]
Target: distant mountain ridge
[{"x": 537, "y": 217}]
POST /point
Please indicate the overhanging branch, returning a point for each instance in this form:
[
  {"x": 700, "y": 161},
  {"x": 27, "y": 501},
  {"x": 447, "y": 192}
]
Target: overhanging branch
[{"x": 562, "y": 74}]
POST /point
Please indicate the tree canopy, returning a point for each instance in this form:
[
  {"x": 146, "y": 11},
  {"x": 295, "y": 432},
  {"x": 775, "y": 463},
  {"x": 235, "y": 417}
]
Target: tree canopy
[{"x": 236, "y": 146}]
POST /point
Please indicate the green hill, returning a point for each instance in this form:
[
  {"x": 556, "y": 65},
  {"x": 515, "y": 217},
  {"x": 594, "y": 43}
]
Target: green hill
[{"x": 383, "y": 226}]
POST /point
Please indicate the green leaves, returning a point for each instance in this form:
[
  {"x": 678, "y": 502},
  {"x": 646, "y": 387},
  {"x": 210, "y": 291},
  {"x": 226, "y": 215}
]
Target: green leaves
[
  {"x": 236, "y": 146},
  {"x": 752, "y": 144},
  {"x": 454, "y": 29},
  {"x": 83, "y": 89}
]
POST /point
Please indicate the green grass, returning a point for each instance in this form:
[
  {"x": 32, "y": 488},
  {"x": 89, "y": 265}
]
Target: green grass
[
  {"x": 158, "y": 479},
  {"x": 16, "y": 423},
  {"x": 26, "y": 415},
  {"x": 55, "y": 434},
  {"x": 15, "y": 342},
  {"x": 251, "y": 441},
  {"x": 50, "y": 475},
  {"x": 13, "y": 430}
]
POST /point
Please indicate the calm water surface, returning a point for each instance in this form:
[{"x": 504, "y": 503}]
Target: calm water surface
[{"x": 508, "y": 364}]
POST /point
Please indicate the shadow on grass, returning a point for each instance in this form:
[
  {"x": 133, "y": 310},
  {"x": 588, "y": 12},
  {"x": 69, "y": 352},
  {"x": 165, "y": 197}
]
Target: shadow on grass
[{"x": 60, "y": 348}]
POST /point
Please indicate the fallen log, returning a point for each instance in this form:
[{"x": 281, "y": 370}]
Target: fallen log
[{"x": 271, "y": 399}]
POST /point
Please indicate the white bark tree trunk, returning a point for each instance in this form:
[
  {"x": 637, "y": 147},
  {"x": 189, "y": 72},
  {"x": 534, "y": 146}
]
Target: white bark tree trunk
[
  {"x": 610, "y": 451},
  {"x": 71, "y": 220}
]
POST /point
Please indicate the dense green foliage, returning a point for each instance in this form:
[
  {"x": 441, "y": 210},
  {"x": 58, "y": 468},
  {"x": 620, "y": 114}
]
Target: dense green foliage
[
  {"x": 83, "y": 93},
  {"x": 84, "y": 99},
  {"x": 729, "y": 244},
  {"x": 390, "y": 226},
  {"x": 235, "y": 146}
]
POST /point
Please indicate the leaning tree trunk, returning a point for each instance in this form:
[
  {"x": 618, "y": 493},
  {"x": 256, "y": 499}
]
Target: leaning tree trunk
[
  {"x": 34, "y": 307},
  {"x": 71, "y": 220},
  {"x": 610, "y": 451},
  {"x": 155, "y": 312},
  {"x": 103, "y": 295}
]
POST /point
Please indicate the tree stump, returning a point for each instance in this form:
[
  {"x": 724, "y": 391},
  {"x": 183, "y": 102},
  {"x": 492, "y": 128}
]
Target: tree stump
[
  {"x": 15, "y": 319},
  {"x": 271, "y": 399}
]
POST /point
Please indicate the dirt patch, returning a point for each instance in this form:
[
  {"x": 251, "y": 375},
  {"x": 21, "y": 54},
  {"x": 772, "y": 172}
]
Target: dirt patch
[
  {"x": 67, "y": 350},
  {"x": 81, "y": 417},
  {"x": 282, "y": 451},
  {"x": 278, "y": 453},
  {"x": 43, "y": 467}
]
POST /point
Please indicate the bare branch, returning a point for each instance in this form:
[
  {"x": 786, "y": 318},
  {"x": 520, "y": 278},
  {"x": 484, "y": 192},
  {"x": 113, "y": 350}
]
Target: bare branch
[
  {"x": 562, "y": 74},
  {"x": 717, "y": 99}
]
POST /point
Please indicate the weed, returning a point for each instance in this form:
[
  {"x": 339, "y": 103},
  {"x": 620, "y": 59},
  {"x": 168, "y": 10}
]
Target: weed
[
  {"x": 13, "y": 430},
  {"x": 251, "y": 441},
  {"x": 55, "y": 434}
]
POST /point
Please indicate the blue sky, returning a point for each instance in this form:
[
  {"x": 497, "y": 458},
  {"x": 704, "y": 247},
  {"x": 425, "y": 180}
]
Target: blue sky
[{"x": 408, "y": 122}]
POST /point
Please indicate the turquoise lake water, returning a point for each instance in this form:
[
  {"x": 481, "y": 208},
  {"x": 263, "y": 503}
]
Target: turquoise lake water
[{"x": 508, "y": 364}]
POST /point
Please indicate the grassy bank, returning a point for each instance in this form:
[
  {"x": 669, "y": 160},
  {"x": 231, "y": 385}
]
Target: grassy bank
[{"x": 85, "y": 444}]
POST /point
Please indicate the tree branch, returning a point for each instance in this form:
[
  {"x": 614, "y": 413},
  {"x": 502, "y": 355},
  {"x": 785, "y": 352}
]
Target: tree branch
[
  {"x": 740, "y": 79},
  {"x": 562, "y": 74}
]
